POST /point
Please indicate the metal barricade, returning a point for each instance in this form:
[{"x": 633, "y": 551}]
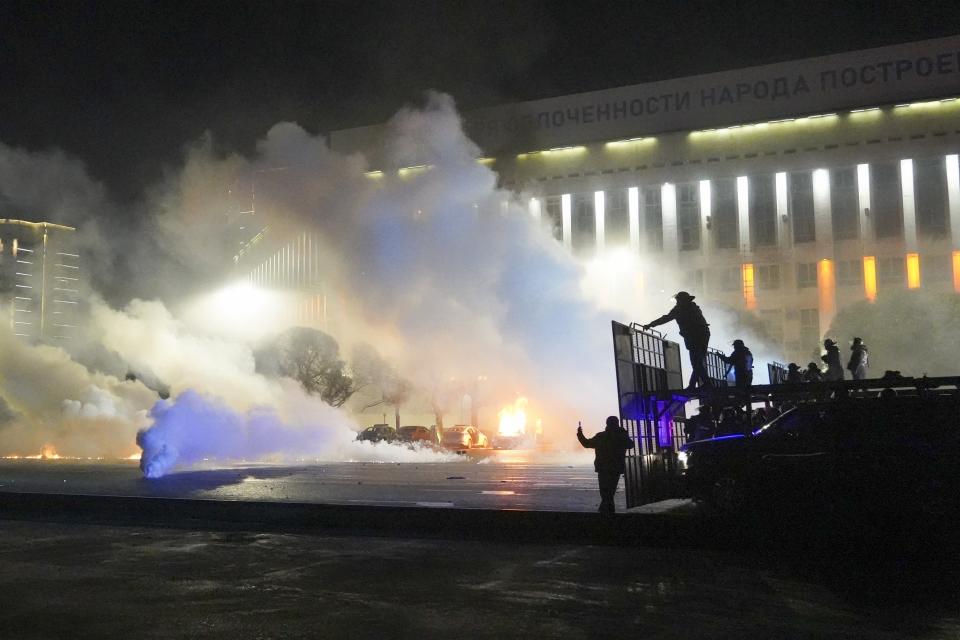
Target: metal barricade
[
  {"x": 717, "y": 368},
  {"x": 777, "y": 373},
  {"x": 647, "y": 367}
]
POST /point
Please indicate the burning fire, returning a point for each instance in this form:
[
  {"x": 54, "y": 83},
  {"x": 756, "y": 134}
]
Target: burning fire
[{"x": 513, "y": 419}]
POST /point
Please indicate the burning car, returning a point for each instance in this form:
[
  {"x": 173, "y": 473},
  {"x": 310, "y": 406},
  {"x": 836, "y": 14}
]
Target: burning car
[{"x": 464, "y": 436}]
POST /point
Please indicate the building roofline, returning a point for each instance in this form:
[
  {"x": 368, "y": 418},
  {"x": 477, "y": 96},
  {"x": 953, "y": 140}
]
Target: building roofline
[{"x": 37, "y": 225}]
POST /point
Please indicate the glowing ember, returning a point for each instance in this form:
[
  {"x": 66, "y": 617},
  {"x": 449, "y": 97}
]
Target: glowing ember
[{"x": 513, "y": 419}]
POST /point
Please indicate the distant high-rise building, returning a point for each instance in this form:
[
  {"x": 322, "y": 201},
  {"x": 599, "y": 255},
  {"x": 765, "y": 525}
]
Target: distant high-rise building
[{"x": 40, "y": 280}]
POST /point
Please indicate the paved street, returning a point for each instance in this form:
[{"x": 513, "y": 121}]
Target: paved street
[
  {"x": 71, "y": 581},
  {"x": 503, "y": 481}
]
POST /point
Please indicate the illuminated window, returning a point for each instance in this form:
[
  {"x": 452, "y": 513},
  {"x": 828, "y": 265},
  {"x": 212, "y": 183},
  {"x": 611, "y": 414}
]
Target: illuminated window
[
  {"x": 801, "y": 207},
  {"x": 555, "y": 217},
  {"x": 844, "y": 204},
  {"x": 723, "y": 220},
  {"x": 850, "y": 273},
  {"x": 806, "y": 275},
  {"x": 930, "y": 196},
  {"x": 886, "y": 202},
  {"x": 891, "y": 272},
  {"x": 763, "y": 211},
  {"x": 653, "y": 217},
  {"x": 584, "y": 224},
  {"x": 809, "y": 327},
  {"x": 767, "y": 277},
  {"x": 688, "y": 216},
  {"x": 616, "y": 217}
]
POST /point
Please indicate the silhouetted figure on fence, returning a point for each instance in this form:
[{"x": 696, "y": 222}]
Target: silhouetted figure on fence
[
  {"x": 812, "y": 373},
  {"x": 695, "y": 332},
  {"x": 859, "y": 360},
  {"x": 610, "y": 446},
  {"x": 794, "y": 375},
  {"x": 831, "y": 358},
  {"x": 741, "y": 361},
  {"x": 730, "y": 422}
]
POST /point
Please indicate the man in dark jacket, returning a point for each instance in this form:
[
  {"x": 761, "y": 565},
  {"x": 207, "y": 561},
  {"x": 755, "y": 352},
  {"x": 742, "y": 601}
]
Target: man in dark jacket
[
  {"x": 695, "y": 332},
  {"x": 741, "y": 361},
  {"x": 610, "y": 446},
  {"x": 859, "y": 360}
]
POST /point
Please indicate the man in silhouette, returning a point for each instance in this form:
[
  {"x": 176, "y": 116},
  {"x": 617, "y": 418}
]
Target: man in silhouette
[
  {"x": 832, "y": 359},
  {"x": 812, "y": 373},
  {"x": 794, "y": 375},
  {"x": 859, "y": 359},
  {"x": 741, "y": 361},
  {"x": 695, "y": 332},
  {"x": 610, "y": 446}
]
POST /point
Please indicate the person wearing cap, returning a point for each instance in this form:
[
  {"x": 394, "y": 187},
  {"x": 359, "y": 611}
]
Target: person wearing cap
[
  {"x": 695, "y": 332},
  {"x": 859, "y": 359},
  {"x": 741, "y": 361},
  {"x": 794, "y": 375},
  {"x": 832, "y": 359},
  {"x": 812, "y": 373}
]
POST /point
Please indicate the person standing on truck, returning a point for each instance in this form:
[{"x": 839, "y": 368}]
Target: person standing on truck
[
  {"x": 834, "y": 371},
  {"x": 859, "y": 359},
  {"x": 695, "y": 332},
  {"x": 741, "y": 361},
  {"x": 812, "y": 373},
  {"x": 610, "y": 447},
  {"x": 794, "y": 375}
]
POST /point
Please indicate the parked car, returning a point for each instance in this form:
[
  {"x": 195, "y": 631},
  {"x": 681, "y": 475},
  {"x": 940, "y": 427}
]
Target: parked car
[
  {"x": 378, "y": 433},
  {"x": 859, "y": 452},
  {"x": 417, "y": 433},
  {"x": 464, "y": 436}
]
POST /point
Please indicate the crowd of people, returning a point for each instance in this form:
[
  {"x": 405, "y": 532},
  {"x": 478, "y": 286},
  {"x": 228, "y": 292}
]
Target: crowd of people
[{"x": 695, "y": 332}]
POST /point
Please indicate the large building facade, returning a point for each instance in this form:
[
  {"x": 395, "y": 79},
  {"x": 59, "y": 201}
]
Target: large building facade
[
  {"x": 40, "y": 280},
  {"x": 790, "y": 190}
]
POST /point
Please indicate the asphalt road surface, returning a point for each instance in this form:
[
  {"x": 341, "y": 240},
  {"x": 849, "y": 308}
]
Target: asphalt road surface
[
  {"x": 499, "y": 481},
  {"x": 86, "y": 581}
]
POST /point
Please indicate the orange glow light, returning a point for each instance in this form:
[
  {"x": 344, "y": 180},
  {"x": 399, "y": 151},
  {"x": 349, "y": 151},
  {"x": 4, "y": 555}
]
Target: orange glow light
[
  {"x": 749, "y": 293},
  {"x": 913, "y": 271},
  {"x": 827, "y": 287},
  {"x": 870, "y": 277},
  {"x": 956, "y": 271}
]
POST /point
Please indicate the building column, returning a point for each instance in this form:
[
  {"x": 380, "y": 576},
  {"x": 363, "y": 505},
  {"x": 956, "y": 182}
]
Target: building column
[
  {"x": 706, "y": 208},
  {"x": 863, "y": 202},
  {"x": 599, "y": 219},
  {"x": 668, "y": 210},
  {"x": 535, "y": 209},
  {"x": 633, "y": 210},
  {"x": 743, "y": 213},
  {"x": 953, "y": 193},
  {"x": 822, "y": 213},
  {"x": 566, "y": 215},
  {"x": 910, "y": 223},
  {"x": 783, "y": 210}
]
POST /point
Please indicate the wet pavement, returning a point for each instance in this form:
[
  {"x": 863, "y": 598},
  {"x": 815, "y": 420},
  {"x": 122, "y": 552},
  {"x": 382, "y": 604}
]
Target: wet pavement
[
  {"x": 496, "y": 482},
  {"x": 73, "y": 581}
]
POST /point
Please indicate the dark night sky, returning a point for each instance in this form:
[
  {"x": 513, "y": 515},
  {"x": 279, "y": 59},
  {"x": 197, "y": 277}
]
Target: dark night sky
[{"x": 124, "y": 85}]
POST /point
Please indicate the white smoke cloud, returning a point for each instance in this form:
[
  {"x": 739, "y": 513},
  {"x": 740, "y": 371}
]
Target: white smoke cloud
[{"x": 444, "y": 272}]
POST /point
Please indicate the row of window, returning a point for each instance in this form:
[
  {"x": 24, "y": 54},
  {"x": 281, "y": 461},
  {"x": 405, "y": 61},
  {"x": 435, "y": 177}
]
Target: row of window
[
  {"x": 891, "y": 272},
  {"x": 842, "y": 191}
]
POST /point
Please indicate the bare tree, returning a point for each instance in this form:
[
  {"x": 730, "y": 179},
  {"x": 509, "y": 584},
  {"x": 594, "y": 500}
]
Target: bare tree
[
  {"x": 312, "y": 358},
  {"x": 394, "y": 390}
]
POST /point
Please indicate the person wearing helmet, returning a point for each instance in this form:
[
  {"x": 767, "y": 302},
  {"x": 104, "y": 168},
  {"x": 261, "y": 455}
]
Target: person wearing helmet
[
  {"x": 812, "y": 373},
  {"x": 741, "y": 361},
  {"x": 832, "y": 359},
  {"x": 695, "y": 332}
]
